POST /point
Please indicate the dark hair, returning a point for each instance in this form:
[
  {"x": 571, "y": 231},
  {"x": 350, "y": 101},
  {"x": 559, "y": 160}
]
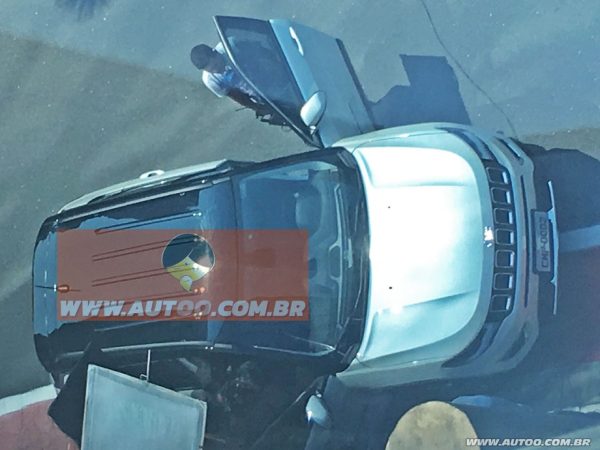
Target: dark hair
[{"x": 201, "y": 55}]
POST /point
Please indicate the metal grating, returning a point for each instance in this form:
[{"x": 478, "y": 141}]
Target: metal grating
[{"x": 505, "y": 248}]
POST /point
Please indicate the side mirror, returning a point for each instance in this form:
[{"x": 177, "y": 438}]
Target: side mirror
[
  {"x": 316, "y": 412},
  {"x": 312, "y": 111}
]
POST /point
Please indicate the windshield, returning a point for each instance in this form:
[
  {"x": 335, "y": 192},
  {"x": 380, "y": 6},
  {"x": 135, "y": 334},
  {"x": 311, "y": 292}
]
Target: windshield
[
  {"x": 254, "y": 51},
  {"x": 320, "y": 197}
]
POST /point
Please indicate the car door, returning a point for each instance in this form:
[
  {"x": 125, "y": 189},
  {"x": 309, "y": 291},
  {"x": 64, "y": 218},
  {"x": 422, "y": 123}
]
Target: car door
[{"x": 289, "y": 64}]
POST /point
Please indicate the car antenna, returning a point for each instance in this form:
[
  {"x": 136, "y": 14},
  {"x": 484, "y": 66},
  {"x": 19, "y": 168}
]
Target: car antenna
[{"x": 146, "y": 376}]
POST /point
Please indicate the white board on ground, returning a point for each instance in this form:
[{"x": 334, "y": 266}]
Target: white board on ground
[{"x": 125, "y": 412}]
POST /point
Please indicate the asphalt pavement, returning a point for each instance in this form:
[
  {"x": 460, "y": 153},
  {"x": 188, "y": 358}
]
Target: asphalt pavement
[{"x": 96, "y": 92}]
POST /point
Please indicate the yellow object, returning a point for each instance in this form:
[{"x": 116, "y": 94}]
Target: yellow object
[
  {"x": 188, "y": 257},
  {"x": 188, "y": 271},
  {"x": 432, "y": 426}
]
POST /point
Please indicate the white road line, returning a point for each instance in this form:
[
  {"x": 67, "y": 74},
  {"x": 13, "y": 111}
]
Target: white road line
[
  {"x": 20, "y": 401},
  {"x": 581, "y": 239}
]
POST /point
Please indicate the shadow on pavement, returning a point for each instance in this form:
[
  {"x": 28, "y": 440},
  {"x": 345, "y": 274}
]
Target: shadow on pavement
[
  {"x": 432, "y": 96},
  {"x": 563, "y": 369},
  {"x": 573, "y": 335}
]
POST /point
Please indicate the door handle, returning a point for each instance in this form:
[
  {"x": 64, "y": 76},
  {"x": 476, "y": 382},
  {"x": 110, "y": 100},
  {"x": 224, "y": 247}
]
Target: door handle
[{"x": 294, "y": 37}]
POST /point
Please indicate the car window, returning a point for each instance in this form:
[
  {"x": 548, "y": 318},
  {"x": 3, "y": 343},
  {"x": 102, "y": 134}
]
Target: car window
[
  {"x": 255, "y": 52},
  {"x": 302, "y": 196}
]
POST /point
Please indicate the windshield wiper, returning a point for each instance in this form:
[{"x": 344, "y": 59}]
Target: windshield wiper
[
  {"x": 355, "y": 318},
  {"x": 319, "y": 345}
]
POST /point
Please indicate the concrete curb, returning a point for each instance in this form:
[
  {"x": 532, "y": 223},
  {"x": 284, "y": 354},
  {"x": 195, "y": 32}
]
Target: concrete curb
[{"x": 20, "y": 401}]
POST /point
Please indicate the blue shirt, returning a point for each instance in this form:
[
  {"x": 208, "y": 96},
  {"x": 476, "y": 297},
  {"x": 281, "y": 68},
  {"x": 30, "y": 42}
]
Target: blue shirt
[{"x": 222, "y": 83}]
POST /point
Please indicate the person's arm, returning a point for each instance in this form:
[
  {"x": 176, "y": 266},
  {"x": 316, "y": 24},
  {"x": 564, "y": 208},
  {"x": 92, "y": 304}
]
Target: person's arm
[
  {"x": 214, "y": 85},
  {"x": 242, "y": 98}
]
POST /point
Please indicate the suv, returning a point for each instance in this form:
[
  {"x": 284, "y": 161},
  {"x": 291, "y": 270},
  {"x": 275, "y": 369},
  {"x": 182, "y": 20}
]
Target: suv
[{"x": 432, "y": 248}]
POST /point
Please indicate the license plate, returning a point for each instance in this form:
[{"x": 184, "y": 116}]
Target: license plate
[{"x": 543, "y": 241}]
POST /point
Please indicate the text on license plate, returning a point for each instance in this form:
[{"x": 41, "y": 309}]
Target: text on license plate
[{"x": 543, "y": 241}]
